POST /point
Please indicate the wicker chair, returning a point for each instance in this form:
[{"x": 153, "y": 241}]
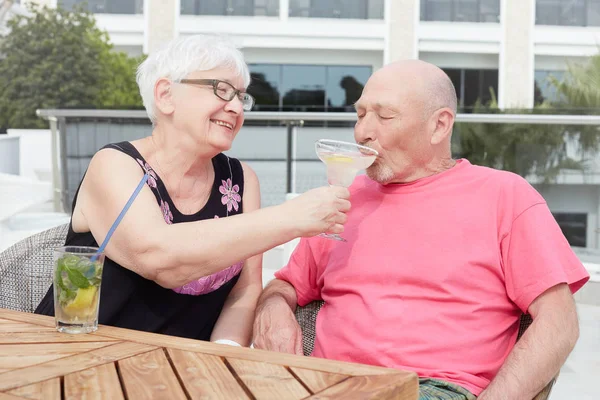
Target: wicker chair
[
  {"x": 26, "y": 269},
  {"x": 307, "y": 318}
]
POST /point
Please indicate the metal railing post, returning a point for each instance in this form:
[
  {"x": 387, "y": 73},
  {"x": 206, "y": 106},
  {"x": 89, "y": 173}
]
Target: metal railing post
[{"x": 56, "y": 180}]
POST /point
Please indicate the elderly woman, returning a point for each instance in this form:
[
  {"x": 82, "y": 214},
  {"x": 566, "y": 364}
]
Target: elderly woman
[{"x": 186, "y": 259}]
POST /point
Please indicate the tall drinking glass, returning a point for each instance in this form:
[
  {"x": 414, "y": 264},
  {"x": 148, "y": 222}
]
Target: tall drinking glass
[
  {"x": 343, "y": 161},
  {"x": 77, "y": 282}
]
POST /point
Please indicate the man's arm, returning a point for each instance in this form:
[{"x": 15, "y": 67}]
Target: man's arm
[
  {"x": 275, "y": 325},
  {"x": 541, "y": 351}
]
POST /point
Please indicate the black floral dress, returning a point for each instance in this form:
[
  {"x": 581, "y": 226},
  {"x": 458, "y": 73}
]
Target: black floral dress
[{"x": 130, "y": 301}]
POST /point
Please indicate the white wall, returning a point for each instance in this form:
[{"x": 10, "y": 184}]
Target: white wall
[
  {"x": 315, "y": 57},
  {"x": 563, "y": 41},
  {"x": 124, "y": 30},
  {"x": 576, "y": 199},
  {"x": 459, "y": 37},
  {"x": 9, "y": 155},
  {"x": 556, "y": 63},
  {"x": 35, "y": 153},
  {"x": 461, "y": 60},
  {"x": 292, "y": 33}
]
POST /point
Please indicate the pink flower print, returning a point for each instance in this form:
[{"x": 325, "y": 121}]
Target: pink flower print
[
  {"x": 210, "y": 283},
  {"x": 166, "y": 211},
  {"x": 230, "y": 197},
  {"x": 152, "y": 177}
]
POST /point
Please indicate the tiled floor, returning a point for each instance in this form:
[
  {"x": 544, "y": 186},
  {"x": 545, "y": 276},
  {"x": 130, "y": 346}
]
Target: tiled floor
[{"x": 580, "y": 376}]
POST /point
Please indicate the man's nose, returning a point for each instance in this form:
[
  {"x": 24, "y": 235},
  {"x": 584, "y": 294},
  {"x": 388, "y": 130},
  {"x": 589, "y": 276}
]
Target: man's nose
[{"x": 364, "y": 130}]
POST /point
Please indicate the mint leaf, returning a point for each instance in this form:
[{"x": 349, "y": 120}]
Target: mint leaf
[
  {"x": 65, "y": 296},
  {"x": 58, "y": 276},
  {"x": 77, "y": 278}
]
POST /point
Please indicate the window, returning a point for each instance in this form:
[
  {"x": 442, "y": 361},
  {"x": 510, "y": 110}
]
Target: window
[
  {"x": 106, "y": 6},
  {"x": 544, "y": 90},
  {"x": 344, "y": 87},
  {"x": 460, "y": 10},
  {"x": 230, "y": 7},
  {"x": 265, "y": 86},
  {"x": 574, "y": 227},
  {"x": 473, "y": 85},
  {"x": 567, "y": 13},
  {"x": 352, "y": 9},
  {"x": 303, "y": 87},
  {"x": 307, "y": 87}
]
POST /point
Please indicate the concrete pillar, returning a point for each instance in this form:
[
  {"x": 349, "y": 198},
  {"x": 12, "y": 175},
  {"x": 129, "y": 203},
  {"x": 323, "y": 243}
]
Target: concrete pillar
[
  {"x": 161, "y": 23},
  {"x": 284, "y": 9},
  {"x": 516, "y": 69},
  {"x": 402, "y": 20}
]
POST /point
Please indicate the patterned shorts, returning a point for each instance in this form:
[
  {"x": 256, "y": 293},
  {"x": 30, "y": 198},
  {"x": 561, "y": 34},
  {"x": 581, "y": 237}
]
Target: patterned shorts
[{"x": 435, "y": 389}]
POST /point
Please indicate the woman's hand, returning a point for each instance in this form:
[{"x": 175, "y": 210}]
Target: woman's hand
[{"x": 319, "y": 210}]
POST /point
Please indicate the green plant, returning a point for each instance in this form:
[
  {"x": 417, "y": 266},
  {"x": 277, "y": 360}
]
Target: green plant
[{"x": 55, "y": 58}]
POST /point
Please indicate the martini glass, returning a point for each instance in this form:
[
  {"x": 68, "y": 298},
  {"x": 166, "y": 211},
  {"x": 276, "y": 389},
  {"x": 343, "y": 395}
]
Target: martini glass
[{"x": 343, "y": 161}]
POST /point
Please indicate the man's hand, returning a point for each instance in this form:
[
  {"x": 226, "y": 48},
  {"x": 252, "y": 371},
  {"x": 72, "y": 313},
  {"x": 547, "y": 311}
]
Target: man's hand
[{"x": 276, "y": 328}]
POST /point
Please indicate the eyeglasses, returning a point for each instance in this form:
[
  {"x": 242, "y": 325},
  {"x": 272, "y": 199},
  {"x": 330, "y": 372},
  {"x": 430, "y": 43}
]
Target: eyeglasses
[{"x": 224, "y": 90}]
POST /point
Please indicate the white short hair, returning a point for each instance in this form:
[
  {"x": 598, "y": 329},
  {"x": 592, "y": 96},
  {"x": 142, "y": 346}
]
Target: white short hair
[{"x": 183, "y": 56}]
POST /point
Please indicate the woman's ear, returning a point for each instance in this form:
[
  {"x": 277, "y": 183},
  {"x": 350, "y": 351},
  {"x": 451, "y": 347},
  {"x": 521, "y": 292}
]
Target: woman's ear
[
  {"x": 163, "y": 96},
  {"x": 444, "y": 121}
]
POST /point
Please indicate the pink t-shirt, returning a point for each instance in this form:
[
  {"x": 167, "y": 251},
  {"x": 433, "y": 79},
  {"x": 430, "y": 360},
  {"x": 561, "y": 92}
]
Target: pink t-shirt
[{"x": 435, "y": 273}]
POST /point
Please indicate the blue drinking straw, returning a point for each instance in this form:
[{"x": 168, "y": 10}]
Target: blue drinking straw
[{"x": 120, "y": 217}]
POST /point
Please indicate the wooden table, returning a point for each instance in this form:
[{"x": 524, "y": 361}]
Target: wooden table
[{"x": 36, "y": 362}]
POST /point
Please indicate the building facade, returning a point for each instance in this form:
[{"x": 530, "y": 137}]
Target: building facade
[
  {"x": 508, "y": 46},
  {"x": 316, "y": 55}
]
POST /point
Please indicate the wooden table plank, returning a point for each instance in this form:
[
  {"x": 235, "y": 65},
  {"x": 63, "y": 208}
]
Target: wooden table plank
[
  {"x": 46, "y": 390},
  {"x": 223, "y": 350},
  {"x": 16, "y": 327},
  {"x": 51, "y": 336},
  {"x": 6, "y": 321},
  {"x": 263, "y": 373},
  {"x": 380, "y": 387},
  {"x": 317, "y": 380},
  {"x": 6, "y": 396},
  {"x": 205, "y": 376},
  {"x": 98, "y": 383},
  {"x": 268, "y": 381},
  {"x": 24, "y": 355},
  {"x": 51, "y": 369},
  {"x": 150, "y": 376},
  {"x": 214, "y": 349},
  {"x": 36, "y": 319}
]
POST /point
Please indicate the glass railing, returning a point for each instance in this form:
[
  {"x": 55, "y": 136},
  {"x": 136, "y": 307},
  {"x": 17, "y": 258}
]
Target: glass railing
[
  {"x": 106, "y": 6},
  {"x": 567, "y": 13},
  {"x": 460, "y": 10},
  {"x": 558, "y": 154},
  {"x": 230, "y": 7},
  {"x": 345, "y": 9}
]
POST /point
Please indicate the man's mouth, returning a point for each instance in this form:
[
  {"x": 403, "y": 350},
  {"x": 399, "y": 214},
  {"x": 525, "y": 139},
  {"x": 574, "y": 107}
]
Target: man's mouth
[{"x": 222, "y": 123}]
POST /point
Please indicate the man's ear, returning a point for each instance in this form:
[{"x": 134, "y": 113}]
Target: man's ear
[
  {"x": 443, "y": 120},
  {"x": 163, "y": 96}
]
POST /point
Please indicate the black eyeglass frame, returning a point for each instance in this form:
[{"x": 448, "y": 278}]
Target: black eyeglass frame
[{"x": 215, "y": 84}]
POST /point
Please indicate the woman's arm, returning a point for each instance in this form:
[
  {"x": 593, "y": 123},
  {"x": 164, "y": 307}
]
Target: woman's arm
[
  {"x": 237, "y": 316},
  {"x": 172, "y": 255}
]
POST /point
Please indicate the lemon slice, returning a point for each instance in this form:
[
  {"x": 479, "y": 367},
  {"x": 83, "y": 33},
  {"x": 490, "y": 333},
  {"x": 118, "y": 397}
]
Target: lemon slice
[
  {"x": 81, "y": 306},
  {"x": 338, "y": 159}
]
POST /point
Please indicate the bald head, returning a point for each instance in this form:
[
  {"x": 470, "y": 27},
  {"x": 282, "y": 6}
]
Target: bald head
[{"x": 427, "y": 82}]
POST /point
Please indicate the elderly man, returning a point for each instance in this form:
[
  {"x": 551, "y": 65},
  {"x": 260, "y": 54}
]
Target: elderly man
[{"x": 442, "y": 258}]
